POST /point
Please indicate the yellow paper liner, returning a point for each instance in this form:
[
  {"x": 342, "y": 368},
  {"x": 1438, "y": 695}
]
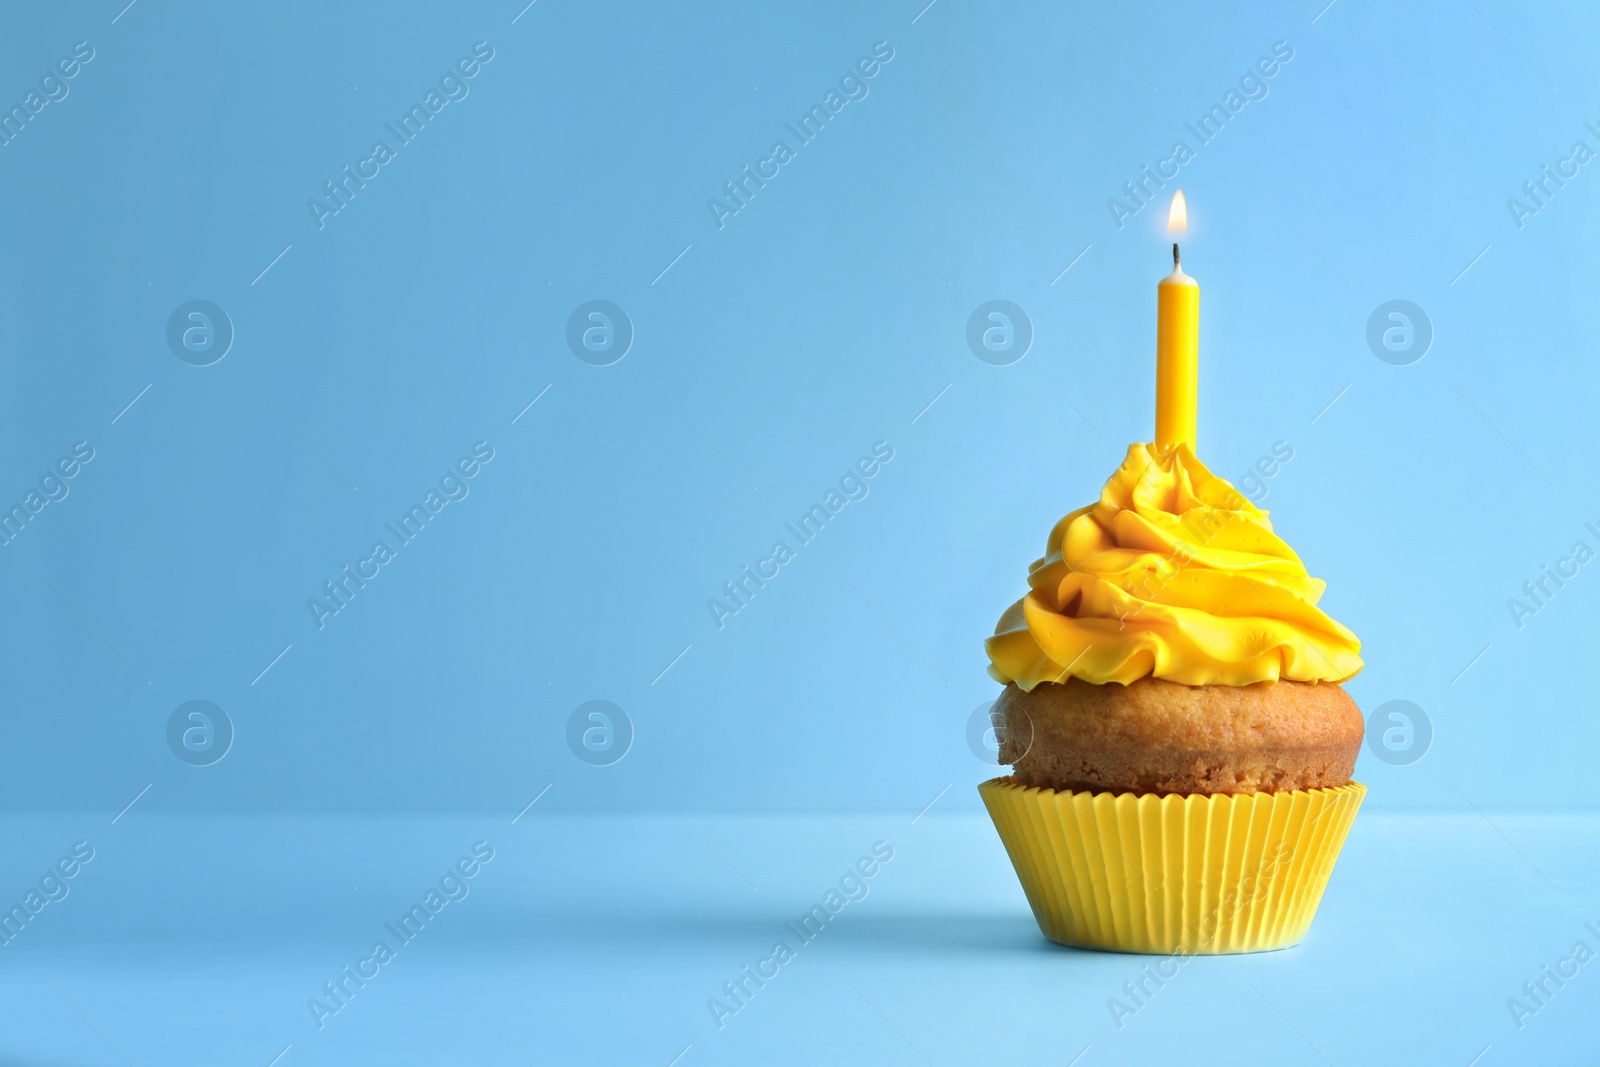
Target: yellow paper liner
[{"x": 1196, "y": 875}]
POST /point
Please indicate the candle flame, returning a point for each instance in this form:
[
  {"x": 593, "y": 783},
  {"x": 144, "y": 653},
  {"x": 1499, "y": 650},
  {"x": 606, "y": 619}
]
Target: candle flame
[{"x": 1178, "y": 215}]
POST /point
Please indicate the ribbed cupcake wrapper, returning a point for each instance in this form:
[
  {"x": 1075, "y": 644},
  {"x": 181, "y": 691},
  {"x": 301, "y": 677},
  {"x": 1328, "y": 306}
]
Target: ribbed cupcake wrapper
[{"x": 1171, "y": 874}]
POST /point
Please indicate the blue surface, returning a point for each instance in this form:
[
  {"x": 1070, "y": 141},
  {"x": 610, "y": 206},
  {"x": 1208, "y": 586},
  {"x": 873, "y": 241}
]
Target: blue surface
[
  {"x": 600, "y": 940},
  {"x": 197, "y": 481}
]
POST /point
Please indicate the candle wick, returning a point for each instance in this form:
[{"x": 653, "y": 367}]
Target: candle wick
[{"x": 1175, "y": 261}]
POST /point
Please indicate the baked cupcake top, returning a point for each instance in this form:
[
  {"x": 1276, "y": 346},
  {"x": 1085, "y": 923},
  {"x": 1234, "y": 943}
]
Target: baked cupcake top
[{"x": 1172, "y": 574}]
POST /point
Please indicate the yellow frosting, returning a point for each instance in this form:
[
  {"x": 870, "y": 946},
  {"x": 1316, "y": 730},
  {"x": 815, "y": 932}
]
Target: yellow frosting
[{"x": 1173, "y": 574}]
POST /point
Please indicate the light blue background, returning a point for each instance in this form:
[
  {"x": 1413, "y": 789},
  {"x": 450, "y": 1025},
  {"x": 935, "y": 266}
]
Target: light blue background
[{"x": 822, "y": 318}]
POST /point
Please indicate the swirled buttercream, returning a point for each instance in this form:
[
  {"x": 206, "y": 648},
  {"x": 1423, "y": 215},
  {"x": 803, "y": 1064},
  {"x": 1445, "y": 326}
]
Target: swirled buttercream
[{"x": 1173, "y": 574}]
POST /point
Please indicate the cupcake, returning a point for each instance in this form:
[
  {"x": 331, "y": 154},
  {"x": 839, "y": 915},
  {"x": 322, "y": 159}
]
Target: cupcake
[{"x": 1180, "y": 743}]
